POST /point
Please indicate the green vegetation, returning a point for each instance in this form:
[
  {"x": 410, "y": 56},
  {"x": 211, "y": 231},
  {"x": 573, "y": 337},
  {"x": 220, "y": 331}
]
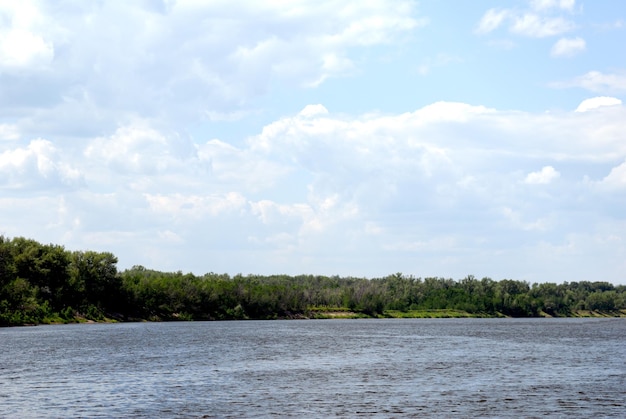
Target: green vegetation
[{"x": 48, "y": 284}]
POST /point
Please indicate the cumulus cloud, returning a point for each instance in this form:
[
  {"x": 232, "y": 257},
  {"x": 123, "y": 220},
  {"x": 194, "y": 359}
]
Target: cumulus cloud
[
  {"x": 445, "y": 176},
  {"x": 173, "y": 138},
  {"x": 226, "y": 166},
  {"x": 195, "y": 59},
  {"x": 616, "y": 179},
  {"x": 38, "y": 165},
  {"x": 374, "y": 138},
  {"x": 597, "y": 102},
  {"x": 567, "y": 47},
  {"x": 23, "y": 47},
  {"x": 135, "y": 148},
  {"x": 546, "y": 175}
]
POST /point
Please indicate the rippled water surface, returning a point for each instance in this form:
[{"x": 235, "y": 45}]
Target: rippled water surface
[{"x": 317, "y": 368}]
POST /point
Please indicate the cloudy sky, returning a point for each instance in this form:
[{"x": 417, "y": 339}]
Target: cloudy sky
[{"x": 349, "y": 137}]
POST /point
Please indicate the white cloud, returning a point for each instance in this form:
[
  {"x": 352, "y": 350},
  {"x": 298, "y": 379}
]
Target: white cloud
[
  {"x": 536, "y": 26},
  {"x": 316, "y": 186},
  {"x": 20, "y": 48},
  {"x": 546, "y": 175},
  {"x": 173, "y": 138},
  {"x": 567, "y": 47},
  {"x": 427, "y": 138},
  {"x": 536, "y": 22},
  {"x": 171, "y": 237},
  {"x": 491, "y": 20},
  {"x": 228, "y": 166},
  {"x": 9, "y": 132},
  {"x": 135, "y": 148},
  {"x": 271, "y": 212},
  {"x": 553, "y": 4},
  {"x": 22, "y": 45},
  {"x": 37, "y": 165},
  {"x": 616, "y": 179},
  {"x": 515, "y": 220},
  {"x": 203, "y": 59},
  {"x": 182, "y": 207},
  {"x": 598, "y": 82},
  {"x": 597, "y": 102},
  {"x": 313, "y": 110}
]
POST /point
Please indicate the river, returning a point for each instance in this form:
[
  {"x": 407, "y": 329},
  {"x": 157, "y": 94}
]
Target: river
[{"x": 317, "y": 368}]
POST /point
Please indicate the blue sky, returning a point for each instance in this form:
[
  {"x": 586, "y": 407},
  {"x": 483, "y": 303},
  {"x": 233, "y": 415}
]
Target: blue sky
[{"x": 340, "y": 137}]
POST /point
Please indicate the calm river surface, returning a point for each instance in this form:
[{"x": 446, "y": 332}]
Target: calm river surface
[{"x": 317, "y": 368}]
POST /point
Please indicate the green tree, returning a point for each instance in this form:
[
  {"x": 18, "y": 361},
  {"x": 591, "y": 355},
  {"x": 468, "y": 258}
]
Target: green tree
[{"x": 94, "y": 280}]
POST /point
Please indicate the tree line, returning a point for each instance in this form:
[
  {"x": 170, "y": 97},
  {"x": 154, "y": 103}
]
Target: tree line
[{"x": 43, "y": 283}]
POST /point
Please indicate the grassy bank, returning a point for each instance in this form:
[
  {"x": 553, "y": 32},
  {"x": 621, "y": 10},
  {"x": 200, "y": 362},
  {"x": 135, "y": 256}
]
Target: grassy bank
[{"x": 345, "y": 313}]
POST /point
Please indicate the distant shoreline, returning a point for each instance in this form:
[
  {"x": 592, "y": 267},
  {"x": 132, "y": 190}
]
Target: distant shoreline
[
  {"x": 48, "y": 284},
  {"x": 343, "y": 314}
]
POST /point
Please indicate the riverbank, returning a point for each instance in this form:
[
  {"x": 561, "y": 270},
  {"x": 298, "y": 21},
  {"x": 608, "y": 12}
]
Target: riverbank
[
  {"x": 343, "y": 313},
  {"x": 337, "y": 313},
  {"x": 434, "y": 314}
]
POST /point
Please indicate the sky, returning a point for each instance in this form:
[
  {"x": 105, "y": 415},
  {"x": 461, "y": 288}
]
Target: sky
[{"x": 348, "y": 137}]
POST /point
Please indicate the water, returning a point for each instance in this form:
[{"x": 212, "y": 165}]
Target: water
[{"x": 318, "y": 368}]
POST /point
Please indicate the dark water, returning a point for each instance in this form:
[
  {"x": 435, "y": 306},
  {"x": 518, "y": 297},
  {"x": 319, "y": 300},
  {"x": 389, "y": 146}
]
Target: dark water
[{"x": 320, "y": 368}]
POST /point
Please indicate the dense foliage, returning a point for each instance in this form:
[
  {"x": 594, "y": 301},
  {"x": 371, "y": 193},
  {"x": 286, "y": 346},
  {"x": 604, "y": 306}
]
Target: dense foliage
[{"x": 46, "y": 283}]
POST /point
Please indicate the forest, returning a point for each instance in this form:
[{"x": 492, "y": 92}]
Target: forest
[{"x": 45, "y": 283}]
